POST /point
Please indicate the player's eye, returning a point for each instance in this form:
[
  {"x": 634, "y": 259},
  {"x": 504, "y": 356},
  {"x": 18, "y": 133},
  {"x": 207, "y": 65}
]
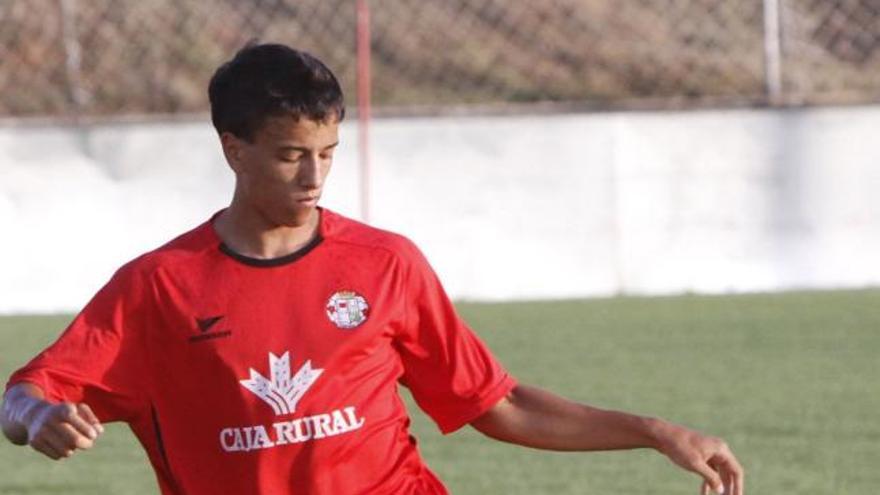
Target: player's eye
[{"x": 291, "y": 158}]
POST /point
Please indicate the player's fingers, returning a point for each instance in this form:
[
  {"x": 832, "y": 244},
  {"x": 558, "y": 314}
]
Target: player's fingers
[
  {"x": 710, "y": 476},
  {"x": 739, "y": 477},
  {"x": 72, "y": 437},
  {"x": 62, "y": 442},
  {"x": 736, "y": 479},
  {"x": 82, "y": 425},
  {"x": 60, "y": 434},
  {"x": 60, "y": 445},
  {"x": 731, "y": 470},
  {"x": 43, "y": 447},
  {"x": 86, "y": 413},
  {"x": 735, "y": 488},
  {"x": 729, "y": 481}
]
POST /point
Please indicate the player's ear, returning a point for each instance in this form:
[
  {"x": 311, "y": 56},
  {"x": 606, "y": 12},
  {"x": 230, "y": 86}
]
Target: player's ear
[{"x": 232, "y": 150}]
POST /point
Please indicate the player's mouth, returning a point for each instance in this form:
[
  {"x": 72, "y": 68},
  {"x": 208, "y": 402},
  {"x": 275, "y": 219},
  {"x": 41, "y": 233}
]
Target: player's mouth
[{"x": 308, "y": 201}]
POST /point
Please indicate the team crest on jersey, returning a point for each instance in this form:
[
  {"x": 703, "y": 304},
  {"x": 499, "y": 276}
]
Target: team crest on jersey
[{"x": 347, "y": 309}]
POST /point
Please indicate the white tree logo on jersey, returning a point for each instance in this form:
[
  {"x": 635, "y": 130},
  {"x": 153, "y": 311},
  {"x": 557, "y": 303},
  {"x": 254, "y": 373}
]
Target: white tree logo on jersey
[
  {"x": 347, "y": 309},
  {"x": 282, "y": 391}
]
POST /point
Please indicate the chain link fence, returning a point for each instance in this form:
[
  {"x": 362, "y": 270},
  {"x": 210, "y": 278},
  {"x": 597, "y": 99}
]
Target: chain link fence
[
  {"x": 831, "y": 51},
  {"x": 75, "y": 58}
]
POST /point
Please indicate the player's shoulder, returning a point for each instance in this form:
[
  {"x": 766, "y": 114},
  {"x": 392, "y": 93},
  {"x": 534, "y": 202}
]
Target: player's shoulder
[
  {"x": 341, "y": 229},
  {"x": 179, "y": 250}
]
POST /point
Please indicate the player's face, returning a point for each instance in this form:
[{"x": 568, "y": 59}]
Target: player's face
[{"x": 281, "y": 172}]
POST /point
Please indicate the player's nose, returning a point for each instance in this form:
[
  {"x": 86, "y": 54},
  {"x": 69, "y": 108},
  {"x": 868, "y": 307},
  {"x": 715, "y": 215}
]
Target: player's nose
[{"x": 309, "y": 175}]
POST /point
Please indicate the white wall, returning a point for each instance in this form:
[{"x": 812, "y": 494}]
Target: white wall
[{"x": 505, "y": 207}]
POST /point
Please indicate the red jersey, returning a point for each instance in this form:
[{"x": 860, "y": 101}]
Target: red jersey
[{"x": 276, "y": 377}]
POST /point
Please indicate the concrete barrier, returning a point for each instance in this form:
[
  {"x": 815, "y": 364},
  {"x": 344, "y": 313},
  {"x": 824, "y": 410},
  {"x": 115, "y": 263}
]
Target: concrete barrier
[{"x": 507, "y": 207}]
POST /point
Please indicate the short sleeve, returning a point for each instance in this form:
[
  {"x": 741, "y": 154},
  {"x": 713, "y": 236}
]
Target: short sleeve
[
  {"x": 451, "y": 373},
  {"x": 97, "y": 359}
]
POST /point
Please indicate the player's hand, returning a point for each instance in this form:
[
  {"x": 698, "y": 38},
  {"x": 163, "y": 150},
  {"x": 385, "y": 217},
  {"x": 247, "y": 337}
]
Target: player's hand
[
  {"x": 707, "y": 456},
  {"x": 58, "y": 430}
]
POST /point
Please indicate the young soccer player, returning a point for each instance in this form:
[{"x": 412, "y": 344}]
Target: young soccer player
[{"x": 261, "y": 352}]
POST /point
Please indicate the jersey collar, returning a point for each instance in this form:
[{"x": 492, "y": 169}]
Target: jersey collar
[{"x": 267, "y": 262}]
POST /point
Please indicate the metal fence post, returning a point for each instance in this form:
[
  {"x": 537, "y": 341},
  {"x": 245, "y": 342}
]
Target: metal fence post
[
  {"x": 363, "y": 100},
  {"x": 772, "y": 52},
  {"x": 72, "y": 57}
]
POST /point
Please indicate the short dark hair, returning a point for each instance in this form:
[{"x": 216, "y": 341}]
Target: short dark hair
[{"x": 270, "y": 80}]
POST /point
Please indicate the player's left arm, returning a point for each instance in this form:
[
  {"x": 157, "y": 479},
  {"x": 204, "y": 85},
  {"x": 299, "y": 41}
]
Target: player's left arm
[{"x": 536, "y": 418}]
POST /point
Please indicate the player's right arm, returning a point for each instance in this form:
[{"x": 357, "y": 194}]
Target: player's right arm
[
  {"x": 55, "y": 430},
  {"x": 97, "y": 360}
]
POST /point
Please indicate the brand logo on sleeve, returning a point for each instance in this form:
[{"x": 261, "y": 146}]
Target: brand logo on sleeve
[
  {"x": 282, "y": 392},
  {"x": 347, "y": 309}
]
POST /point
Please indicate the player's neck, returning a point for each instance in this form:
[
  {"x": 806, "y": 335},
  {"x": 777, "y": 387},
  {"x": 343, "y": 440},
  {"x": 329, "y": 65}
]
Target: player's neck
[{"x": 249, "y": 233}]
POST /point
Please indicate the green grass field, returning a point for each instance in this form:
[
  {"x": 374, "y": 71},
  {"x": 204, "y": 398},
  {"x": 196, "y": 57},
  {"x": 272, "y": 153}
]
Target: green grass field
[{"x": 790, "y": 380}]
